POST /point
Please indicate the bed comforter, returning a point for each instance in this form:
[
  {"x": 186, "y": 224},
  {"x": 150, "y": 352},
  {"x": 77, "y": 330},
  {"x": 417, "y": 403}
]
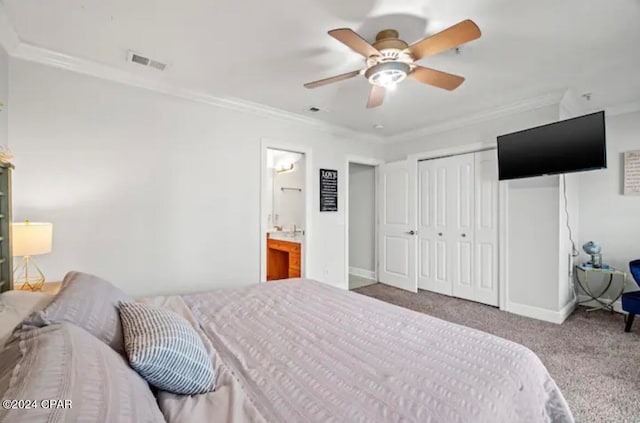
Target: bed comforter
[{"x": 302, "y": 351}]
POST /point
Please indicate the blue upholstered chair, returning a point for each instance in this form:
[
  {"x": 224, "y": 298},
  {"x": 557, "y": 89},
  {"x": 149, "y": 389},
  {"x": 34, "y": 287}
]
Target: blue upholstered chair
[{"x": 631, "y": 300}]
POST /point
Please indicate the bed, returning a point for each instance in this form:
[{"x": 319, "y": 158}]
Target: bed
[
  {"x": 302, "y": 351},
  {"x": 288, "y": 351}
]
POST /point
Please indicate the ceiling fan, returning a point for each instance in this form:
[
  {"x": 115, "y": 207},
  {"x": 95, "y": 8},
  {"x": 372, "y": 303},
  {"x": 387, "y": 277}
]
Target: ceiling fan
[{"x": 390, "y": 60}]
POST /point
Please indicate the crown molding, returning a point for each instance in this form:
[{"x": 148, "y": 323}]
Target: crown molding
[
  {"x": 552, "y": 98},
  {"x": 19, "y": 49},
  {"x": 623, "y": 108},
  {"x": 56, "y": 59}
]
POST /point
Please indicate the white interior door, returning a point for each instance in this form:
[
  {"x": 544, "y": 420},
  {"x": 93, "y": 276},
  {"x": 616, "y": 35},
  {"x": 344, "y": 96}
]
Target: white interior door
[
  {"x": 434, "y": 236},
  {"x": 397, "y": 237},
  {"x": 462, "y": 224},
  {"x": 486, "y": 228}
]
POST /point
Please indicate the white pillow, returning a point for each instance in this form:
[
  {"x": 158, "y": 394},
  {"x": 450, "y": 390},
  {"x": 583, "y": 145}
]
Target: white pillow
[{"x": 15, "y": 306}]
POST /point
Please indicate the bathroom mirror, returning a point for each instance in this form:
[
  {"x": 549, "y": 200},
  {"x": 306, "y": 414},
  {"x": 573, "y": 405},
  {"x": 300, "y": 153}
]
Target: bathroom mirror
[{"x": 286, "y": 179}]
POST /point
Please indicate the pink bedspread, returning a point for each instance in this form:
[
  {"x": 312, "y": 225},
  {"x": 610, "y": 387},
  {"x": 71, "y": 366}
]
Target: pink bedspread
[{"x": 302, "y": 351}]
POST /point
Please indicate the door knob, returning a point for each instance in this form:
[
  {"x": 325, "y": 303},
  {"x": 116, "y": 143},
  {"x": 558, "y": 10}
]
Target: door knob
[
  {"x": 412, "y": 232},
  {"x": 439, "y": 233},
  {"x": 464, "y": 235}
]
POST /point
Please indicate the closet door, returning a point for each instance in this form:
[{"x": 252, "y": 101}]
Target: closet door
[
  {"x": 461, "y": 216},
  {"x": 458, "y": 226},
  {"x": 434, "y": 237},
  {"x": 486, "y": 225}
]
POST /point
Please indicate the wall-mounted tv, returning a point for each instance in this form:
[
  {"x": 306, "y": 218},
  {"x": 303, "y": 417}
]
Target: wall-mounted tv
[{"x": 568, "y": 146}]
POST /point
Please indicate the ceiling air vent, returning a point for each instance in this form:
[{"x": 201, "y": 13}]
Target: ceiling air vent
[{"x": 145, "y": 61}]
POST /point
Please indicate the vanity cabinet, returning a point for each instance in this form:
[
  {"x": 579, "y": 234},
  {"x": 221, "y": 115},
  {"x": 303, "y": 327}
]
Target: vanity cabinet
[{"x": 283, "y": 259}]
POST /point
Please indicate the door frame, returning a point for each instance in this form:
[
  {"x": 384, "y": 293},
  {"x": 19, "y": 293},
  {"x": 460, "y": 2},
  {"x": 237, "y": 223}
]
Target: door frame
[
  {"x": 412, "y": 163},
  {"x": 266, "y": 144},
  {"x": 369, "y": 161}
]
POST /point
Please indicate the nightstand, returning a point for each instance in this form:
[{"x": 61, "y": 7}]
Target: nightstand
[
  {"x": 608, "y": 271},
  {"x": 50, "y": 288}
]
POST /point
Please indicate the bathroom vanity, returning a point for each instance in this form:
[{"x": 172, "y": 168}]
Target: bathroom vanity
[{"x": 284, "y": 254}]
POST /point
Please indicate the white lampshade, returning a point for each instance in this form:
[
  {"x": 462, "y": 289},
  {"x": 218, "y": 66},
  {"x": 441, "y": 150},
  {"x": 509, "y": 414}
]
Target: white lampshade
[{"x": 31, "y": 238}]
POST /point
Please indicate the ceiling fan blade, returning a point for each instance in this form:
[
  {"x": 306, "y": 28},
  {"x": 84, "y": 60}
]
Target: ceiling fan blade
[
  {"x": 355, "y": 42},
  {"x": 436, "y": 78},
  {"x": 333, "y": 79},
  {"x": 456, "y": 35},
  {"x": 376, "y": 97}
]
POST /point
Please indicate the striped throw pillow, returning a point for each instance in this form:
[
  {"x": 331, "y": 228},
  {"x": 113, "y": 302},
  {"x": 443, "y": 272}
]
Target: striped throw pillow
[{"x": 165, "y": 349}]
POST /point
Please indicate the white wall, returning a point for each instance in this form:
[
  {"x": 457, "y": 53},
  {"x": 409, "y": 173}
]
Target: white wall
[
  {"x": 156, "y": 193},
  {"x": 607, "y": 216},
  {"x": 533, "y": 252},
  {"x": 482, "y": 132},
  {"x": 572, "y": 105},
  {"x": 362, "y": 225},
  {"x": 287, "y": 204},
  {"x": 569, "y": 183}
]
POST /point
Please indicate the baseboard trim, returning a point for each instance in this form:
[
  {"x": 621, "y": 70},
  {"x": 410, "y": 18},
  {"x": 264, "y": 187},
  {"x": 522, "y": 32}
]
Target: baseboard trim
[
  {"x": 567, "y": 310},
  {"x": 542, "y": 313},
  {"x": 363, "y": 273}
]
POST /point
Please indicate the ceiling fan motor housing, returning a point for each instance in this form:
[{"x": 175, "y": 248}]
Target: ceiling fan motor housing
[
  {"x": 390, "y": 47},
  {"x": 388, "y": 39}
]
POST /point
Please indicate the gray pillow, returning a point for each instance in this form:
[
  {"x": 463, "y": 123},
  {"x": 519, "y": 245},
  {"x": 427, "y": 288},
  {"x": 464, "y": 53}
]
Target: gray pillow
[
  {"x": 166, "y": 351},
  {"x": 17, "y": 305},
  {"x": 64, "y": 362},
  {"x": 89, "y": 302}
]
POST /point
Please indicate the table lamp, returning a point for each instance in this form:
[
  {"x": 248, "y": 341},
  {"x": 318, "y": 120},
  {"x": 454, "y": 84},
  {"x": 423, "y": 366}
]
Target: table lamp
[
  {"x": 30, "y": 239},
  {"x": 594, "y": 250}
]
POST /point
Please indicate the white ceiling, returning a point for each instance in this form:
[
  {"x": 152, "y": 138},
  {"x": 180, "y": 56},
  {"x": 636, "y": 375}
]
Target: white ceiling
[{"x": 263, "y": 51}]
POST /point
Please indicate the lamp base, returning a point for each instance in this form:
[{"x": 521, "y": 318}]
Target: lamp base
[{"x": 28, "y": 279}]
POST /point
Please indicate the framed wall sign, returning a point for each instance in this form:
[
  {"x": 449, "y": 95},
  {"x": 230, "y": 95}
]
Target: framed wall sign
[
  {"x": 328, "y": 190},
  {"x": 632, "y": 172}
]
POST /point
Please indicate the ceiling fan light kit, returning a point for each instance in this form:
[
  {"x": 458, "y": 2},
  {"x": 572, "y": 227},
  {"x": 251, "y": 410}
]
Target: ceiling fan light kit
[
  {"x": 391, "y": 60},
  {"x": 387, "y": 74}
]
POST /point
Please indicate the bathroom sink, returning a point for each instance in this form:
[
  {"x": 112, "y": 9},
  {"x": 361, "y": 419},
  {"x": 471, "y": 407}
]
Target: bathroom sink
[{"x": 286, "y": 235}]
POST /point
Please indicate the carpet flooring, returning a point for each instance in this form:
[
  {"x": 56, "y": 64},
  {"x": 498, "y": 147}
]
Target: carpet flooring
[{"x": 593, "y": 361}]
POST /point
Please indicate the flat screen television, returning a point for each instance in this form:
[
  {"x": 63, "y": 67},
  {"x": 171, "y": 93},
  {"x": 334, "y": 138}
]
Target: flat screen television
[{"x": 568, "y": 146}]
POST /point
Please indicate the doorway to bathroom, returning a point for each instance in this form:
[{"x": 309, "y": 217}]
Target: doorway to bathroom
[
  {"x": 284, "y": 199},
  {"x": 362, "y": 242}
]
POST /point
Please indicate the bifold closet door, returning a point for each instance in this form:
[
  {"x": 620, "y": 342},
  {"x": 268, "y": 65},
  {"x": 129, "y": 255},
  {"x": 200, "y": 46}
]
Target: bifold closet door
[
  {"x": 445, "y": 231},
  {"x": 397, "y": 238},
  {"x": 462, "y": 227},
  {"x": 457, "y": 226},
  {"x": 434, "y": 260}
]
